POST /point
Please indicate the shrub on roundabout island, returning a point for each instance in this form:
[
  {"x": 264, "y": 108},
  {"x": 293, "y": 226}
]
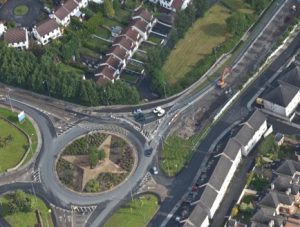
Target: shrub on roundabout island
[
  {"x": 21, "y": 10},
  {"x": 95, "y": 162}
]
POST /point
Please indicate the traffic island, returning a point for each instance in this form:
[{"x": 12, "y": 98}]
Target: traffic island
[
  {"x": 95, "y": 162},
  {"x": 22, "y": 209}
]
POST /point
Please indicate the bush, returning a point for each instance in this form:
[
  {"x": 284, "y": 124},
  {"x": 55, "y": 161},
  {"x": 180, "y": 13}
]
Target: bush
[{"x": 92, "y": 186}]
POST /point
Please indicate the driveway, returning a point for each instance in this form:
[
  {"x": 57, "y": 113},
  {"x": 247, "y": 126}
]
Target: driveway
[{"x": 29, "y": 19}]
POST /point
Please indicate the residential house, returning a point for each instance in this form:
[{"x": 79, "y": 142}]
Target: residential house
[
  {"x": 198, "y": 218},
  {"x": 289, "y": 168},
  {"x": 141, "y": 27},
  {"x": 266, "y": 217},
  {"x": 113, "y": 62},
  {"x": 105, "y": 74},
  {"x": 63, "y": 14},
  {"x": 2, "y": 28},
  {"x": 126, "y": 44},
  {"x": 251, "y": 132},
  {"x": 46, "y": 30},
  {"x": 82, "y": 3},
  {"x": 291, "y": 77},
  {"x": 145, "y": 15},
  {"x": 119, "y": 53},
  {"x": 173, "y": 5},
  {"x": 17, "y": 38},
  {"x": 233, "y": 151},
  {"x": 283, "y": 100},
  {"x": 133, "y": 35}
]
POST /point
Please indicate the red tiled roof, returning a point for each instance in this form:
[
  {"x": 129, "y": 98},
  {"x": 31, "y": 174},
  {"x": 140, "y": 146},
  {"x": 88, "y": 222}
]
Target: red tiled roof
[
  {"x": 46, "y": 26},
  {"x": 102, "y": 81},
  {"x": 143, "y": 13},
  {"x": 124, "y": 42},
  {"x": 118, "y": 51},
  {"x": 113, "y": 61},
  {"x": 61, "y": 13},
  {"x": 130, "y": 33},
  {"x": 140, "y": 24},
  {"x": 15, "y": 35},
  {"x": 106, "y": 71},
  {"x": 70, "y": 5},
  {"x": 176, "y": 4}
]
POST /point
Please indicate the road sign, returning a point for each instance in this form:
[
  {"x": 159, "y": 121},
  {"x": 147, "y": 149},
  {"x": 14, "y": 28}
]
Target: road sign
[{"x": 21, "y": 116}]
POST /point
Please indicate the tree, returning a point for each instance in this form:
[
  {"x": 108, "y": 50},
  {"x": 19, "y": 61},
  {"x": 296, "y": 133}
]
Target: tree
[
  {"x": 101, "y": 155},
  {"x": 117, "y": 6},
  {"x": 92, "y": 186},
  {"x": 93, "y": 158},
  {"x": 108, "y": 8},
  {"x": 22, "y": 202},
  {"x": 237, "y": 23},
  {"x": 201, "y": 7}
]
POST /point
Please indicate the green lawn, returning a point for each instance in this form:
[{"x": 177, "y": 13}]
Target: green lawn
[
  {"x": 207, "y": 32},
  {"x": 25, "y": 219},
  {"x": 136, "y": 213},
  {"x": 26, "y": 126},
  {"x": 238, "y": 5},
  {"x": 21, "y": 10},
  {"x": 12, "y": 153},
  {"x": 129, "y": 78}
]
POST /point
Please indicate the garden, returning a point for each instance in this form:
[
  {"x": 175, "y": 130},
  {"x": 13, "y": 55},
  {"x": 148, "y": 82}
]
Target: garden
[
  {"x": 95, "y": 162},
  {"x": 13, "y": 141},
  {"x": 245, "y": 210},
  {"x": 136, "y": 213},
  {"x": 26, "y": 210}
]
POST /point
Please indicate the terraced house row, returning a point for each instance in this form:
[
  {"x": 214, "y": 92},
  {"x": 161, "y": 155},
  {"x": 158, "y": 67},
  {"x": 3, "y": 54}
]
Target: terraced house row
[
  {"x": 213, "y": 191},
  {"x": 124, "y": 46}
]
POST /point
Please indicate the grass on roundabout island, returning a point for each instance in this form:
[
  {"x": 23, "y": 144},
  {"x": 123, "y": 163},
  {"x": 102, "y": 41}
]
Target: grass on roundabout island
[
  {"x": 136, "y": 213},
  {"x": 13, "y": 145},
  {"x": 26, "y": 126},
  {"x": 26, "y": 219},
  {"x": 21, "y": 10}
]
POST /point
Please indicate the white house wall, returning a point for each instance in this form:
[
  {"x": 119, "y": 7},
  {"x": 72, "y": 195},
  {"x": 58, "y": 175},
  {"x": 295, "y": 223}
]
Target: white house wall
[
  {"x": 205, "y": 223},
  {"x": 293, "y": 104}
]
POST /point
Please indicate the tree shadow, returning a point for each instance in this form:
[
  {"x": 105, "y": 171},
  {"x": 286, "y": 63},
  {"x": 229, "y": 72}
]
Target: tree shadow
[{"x": 214, "y": 29}]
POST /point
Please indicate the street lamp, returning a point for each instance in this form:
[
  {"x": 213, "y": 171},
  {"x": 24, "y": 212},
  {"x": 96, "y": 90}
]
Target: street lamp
[
  {"x": 9, "y": 90},
  {"x": 46, "y": 83}
]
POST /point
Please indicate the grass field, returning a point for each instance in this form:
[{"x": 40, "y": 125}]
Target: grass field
[
  {"x": 27, "y": 219},
  {"x": 206, "y": 33},
  {"x": 238, "y": 5},
  {"x": 135, "y": 214},
  {"x": 26, "y": 126},
  {"x": 70, "y": 69},
  {"x": 12, "y": 153}
]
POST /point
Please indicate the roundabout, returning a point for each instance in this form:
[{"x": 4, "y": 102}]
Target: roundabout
[{"x": 23, "y": 12}]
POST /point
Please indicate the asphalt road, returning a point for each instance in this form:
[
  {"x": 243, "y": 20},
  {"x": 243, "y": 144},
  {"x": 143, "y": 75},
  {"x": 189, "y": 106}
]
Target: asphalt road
[{"x": 236, "y": 112}]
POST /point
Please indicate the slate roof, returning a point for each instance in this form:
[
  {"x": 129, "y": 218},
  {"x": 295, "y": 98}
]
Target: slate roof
[
  {"x": 282, "y": 95},
  {"x": 244, "y": 135},
  {"x": 273, "y": 199},
  {"x": 283, "y": 182},
  {"x": 143, "y": 13},
  {"x": 264, "y": 215},
  {"x": 289, "y": 167},
  {"x": 208, "y": 197},
  {"x": 46, "y": 26},
  {"x": 15, "y": 35},
  {"x": 220, "y": 172},
  {"x": 231, "y": 149},
  {"x": 257, "y": 119},
  {"x": 292, "y": 77},
  {"x": 198, "y": 216}
]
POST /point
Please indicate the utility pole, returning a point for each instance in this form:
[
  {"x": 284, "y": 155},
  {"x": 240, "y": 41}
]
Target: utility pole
[{"x": 9, "y": 90}]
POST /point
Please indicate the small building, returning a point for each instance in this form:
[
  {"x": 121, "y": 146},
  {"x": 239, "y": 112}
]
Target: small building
[
  {"x": 82, "y": 3},
  {"x": 141, "y": 27},
  {"x": 145, "y": 15},
  {"x": 119, "y": 53},
  {"x": 291, "y": 77},
  {"x": 198, "y": 217},
  {"x": 105, "y": 74},
  {"x": 116, "y": 31},
  {"x": 62, "y": 16},
  {"x": 126, "y": 44},
  {"x": 173, "y": 5},
  {"x": 113, "y": 62},
  {"x": 17, "y": 38},
  {"x": 46, "y": 30},
  {"x": 133, "y": 35},
  {"x": 279, "y": 138},
  {"x": 251, "y": 132},
  {"x": 72, "y": 7},
  {"x": 283, "y": 100}
]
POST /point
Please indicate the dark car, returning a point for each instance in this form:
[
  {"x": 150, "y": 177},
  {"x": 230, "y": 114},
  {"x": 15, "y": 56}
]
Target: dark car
[{"x": 148, "y": 152}]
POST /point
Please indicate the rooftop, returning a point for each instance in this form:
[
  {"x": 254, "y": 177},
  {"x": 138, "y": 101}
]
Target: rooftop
[
  {"x": 106, "y": 71},
  {"x": 292, "y": 77},
  {"x": 208, "y": 197},
  {"x": 198, "y": 215},
  {"x": 61, "y": 13},
  {"x": 124, "y": 42},
  {"x": 273, "y": 199},
  {"x": 244, "y": 134},
  {"x": 15, "y": 35},
  {"x": 282, "y": 95},
  {"x": 257, "y": 119},
  {"x": 70, "y": 5},
  {"x": 46, "y": 26},
  {"x": 176, "y": 4},
  {"x": 118, "y": 51},
  {"x": 143, "y": 13},
  {"x": 231, "y": 149},
  {"x": 139, "y": 24},
  {"x": 264, "y": 215},
  {"x": 130, "y": 33},
  {"x": 289, "y": 167}
]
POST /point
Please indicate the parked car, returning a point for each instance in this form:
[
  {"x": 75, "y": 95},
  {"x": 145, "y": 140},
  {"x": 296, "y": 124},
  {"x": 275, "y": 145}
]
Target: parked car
[
  {"x": 148, "y": 152},
  {"x": 154, "y": 170},
  {"x": 161, "y": 113},
  {"x": 157, "y": 109}
]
